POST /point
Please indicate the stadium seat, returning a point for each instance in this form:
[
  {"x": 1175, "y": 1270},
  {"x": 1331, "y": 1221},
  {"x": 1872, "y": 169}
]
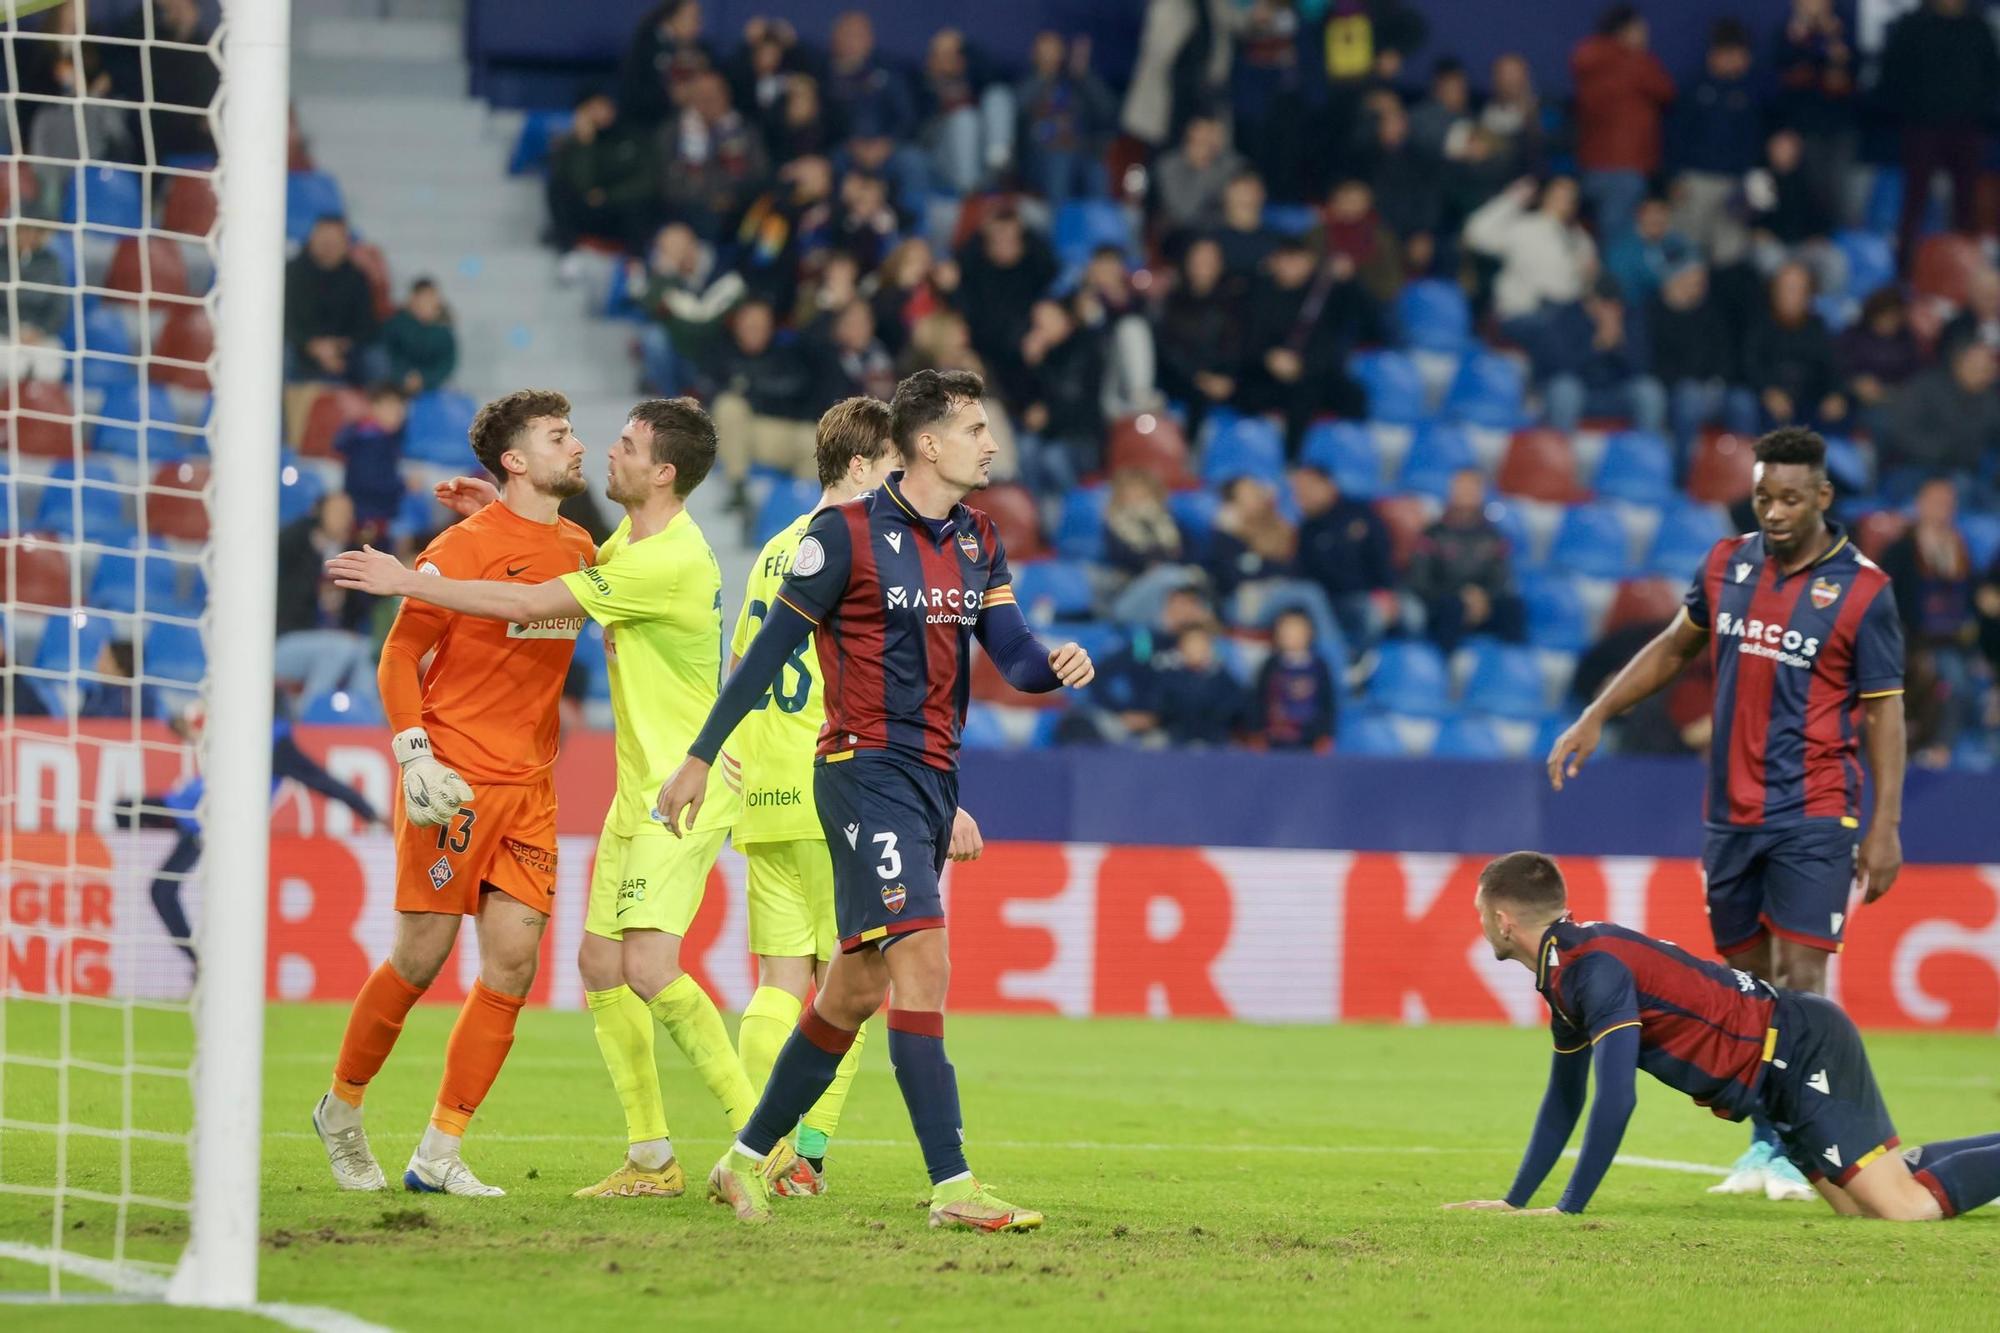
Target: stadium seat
[
  {"x": 187, "y": 336},
  {"x": 340, "y": 709},
  {"x": 171, "y": 587},
  {"x": 172, "y": 651},
  {"x": 1591, "y": 541},
  {"x": 45, "y": 426},
  {"x": 436, "y": 431},
  {"x": 1540, "y": 464},
  {"x": 374, "y": 266},
  {"x": 330, "y": 411},
  {"x": 106, "y": 197},
  {"x": 1982, "y": 539},
  {"x": 1506, "y": 681},
  {"x": 299, "y": 489},
  {"x": 1638, "y": 468},
  {"x": 18, "y": 185},
  {"x": 157, "y": 269},
  {"x": 1080, "y": 526},
  {"x": 1432, "y": 316},
  {"x": 1152, "y": 442},
  {"x": 539, "y": 132},
  {"x": 1848, "y": 466},
  {"x": 1945, "y": 267},
  {"x": 1247, "y": 446},
  {"x": 1877, "y": 532},
  {"x": 783, "y": 503},
  {"x": 1053, "y": 590},
  {"x": 1194, "y": 512},
  {"x": 153, "y": 432},
  {"x": 1394, "y": 386},
  {"x": 189, "y": 209},
  {"x": 1014, "y": 512},
  {"x": 1557, "y": 618},
  {"x": 174, "y": 505},
  {"x": 1512, "y": 522},
  {"x": 91, "y": 495},
  {"x": 1406, "y": 517},
  {"x": 590, "y": 659},
  {"x": 1871, "y": 261},
  {"x": 1686, "y": 532},
  {"x": 310, "y": 196},
  {"x": 1469, "y": 736},
  {"x": 1099, "y": 638},
  {"x": 69, "y": 644},
  {"x": 1368, "y": 734},
  {"x": 1720, "y": 471},
  {"x": 1438, "y": 452},
  {"x": 1410, "y": 678},
  {"x": 1644, "y": 601},
  {"x": 983, "y": 729},
  {"x": 1489, "y": 390},
  {"x": 1291, "y": 219},
  {"x": 1082, "y": 225},
  {"x": 35, "y": 574},
  {"x": 1345, "y": 451},
  {"x": 108, "y": 348}
]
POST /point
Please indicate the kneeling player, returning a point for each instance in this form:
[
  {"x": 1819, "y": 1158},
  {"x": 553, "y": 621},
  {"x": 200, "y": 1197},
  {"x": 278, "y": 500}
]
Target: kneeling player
[{"x": 1620, "y": 1001}]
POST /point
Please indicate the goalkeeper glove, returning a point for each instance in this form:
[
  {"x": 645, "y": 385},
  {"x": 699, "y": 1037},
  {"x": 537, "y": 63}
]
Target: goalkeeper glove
[{"x": 432, "y": 793}]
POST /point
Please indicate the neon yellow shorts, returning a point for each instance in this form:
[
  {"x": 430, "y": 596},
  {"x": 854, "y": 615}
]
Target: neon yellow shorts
[
  {"x": 791, "y": 899},
  {"x": 651, "y": 882}
]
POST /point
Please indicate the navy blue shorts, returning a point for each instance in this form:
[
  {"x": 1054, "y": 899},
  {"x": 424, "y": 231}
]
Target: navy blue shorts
[
  {"x": 888, "y": 829},
  {"x": 1820, "y": 1093},
  {"x": 1792, "y": 882}
]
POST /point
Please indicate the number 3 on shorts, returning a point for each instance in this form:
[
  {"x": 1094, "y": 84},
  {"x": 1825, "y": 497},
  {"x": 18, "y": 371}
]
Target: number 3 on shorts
[{"x": 892, "y": 860}]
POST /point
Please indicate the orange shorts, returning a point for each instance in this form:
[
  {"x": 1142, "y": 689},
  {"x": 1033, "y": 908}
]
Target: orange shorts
[{"x": 504, "y": 838}]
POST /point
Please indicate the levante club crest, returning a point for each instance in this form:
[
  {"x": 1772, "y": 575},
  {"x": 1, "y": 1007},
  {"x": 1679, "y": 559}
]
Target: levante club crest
[
  {"x": 1825, "y": 592},
  {"x": 894, "y": 896}
]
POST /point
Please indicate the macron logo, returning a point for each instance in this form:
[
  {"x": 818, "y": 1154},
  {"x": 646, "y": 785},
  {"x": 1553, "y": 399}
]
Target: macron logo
[
  {"x": 1832, "y": 1155},
  {"x": 1838, "y": 917},
  {"x": 895, "y": 540},
  {"x": 1819, "y": 1085},
  {"x": 853, "y": 832},
  {"x": 1742, "y": 572}
]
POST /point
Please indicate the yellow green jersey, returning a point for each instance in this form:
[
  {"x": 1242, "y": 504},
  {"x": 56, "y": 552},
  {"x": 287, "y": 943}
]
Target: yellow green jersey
[
  {"x": 660, "y": 602},
  {"x": 774, "y": 744}
]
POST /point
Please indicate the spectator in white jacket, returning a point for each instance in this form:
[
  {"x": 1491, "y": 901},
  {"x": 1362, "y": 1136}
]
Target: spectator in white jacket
[{"x": 1546, "y": 257}]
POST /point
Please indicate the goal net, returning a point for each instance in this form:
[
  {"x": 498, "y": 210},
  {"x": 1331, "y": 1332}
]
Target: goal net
[{"x": 136, "y": 697}]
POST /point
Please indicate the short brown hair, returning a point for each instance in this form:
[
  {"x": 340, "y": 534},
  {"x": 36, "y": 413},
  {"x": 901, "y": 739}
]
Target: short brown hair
[
  {"x": 852, "y": 428},
  {"x": 1528, "y": 880},
  {"x": 926, "y": 398},
  {"x": 682, "y": 435},
  {"x": 499, "y": 424}
]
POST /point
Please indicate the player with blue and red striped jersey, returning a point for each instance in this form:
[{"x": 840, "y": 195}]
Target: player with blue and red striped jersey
[
  {"x": 893, "y": 586},
  {"x": 1807, "y": 648},
  {"x": 1620, "y": 1002}
]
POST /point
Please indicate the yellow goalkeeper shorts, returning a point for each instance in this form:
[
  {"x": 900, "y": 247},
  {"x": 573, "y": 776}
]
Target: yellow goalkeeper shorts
[
  {"x": 791, "y": 899},
  {"x": 650, "y": 882}
]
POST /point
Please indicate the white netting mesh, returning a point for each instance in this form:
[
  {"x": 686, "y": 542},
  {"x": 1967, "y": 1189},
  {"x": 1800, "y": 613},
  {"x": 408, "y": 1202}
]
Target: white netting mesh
[{"x": 106, "y": 186}]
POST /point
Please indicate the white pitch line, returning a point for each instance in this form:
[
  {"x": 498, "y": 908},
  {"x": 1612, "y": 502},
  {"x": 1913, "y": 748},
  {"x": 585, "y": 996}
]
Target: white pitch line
[{"x": 151, "y": 1287}]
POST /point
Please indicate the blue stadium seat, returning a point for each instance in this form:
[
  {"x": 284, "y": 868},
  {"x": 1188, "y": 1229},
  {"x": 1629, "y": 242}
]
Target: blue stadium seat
[
  {"x": 1368, "y": 734},
  {"x": 172, "y": 587},
  {"x": 310, "y": 196},
  {"x": 1291, "y": 219},
  {"x": 1438, "y": 451},
  {"x": 1871, "y": 259},
  {"x": 1051, "y": 590},
  {"x": 1687, "y": 531},
  {"x": 1433, "y": 316},
  {"x": 1099, "y": 638},
  {"x": 69, "y": 644},
  {"x": 437, "y": 426},
  {"x": 1506, "y": 681},
  {"x": 1345, "y": 451},
  {"x": 299, "y": 489},
  {"x": 1247, "y": 446},
  {"x": 590, "y": 659},
  {"x": 1591, "y": 540},
  {"x": 1489, "y": 390},
  {"x": 1080, "y": 528},
  {"x": 1394, "y": 387},
  {"x": 172, "y": 652},
  {"x": 983, "y": 729},
  {"x": 1837, "y": 310},
  {"x": 1410, "y": 678},
  {"x": 1082, "y": 225},
  {"x": 105, "y": 339},
  {"x": 160, "y": 439},
  {"x": 106, "y": 197},
  {"x": 1195, "y": 512},
  {"x": 1982, "y": 539},
  {"x": 103, "y": 508},
  {"x": 1513, "y": 524},
  {"x": 783, "y": 503},
  {"x": 1638, "y": 467},
  {"x": 539, "y": 131},
  {"x": 1469, "y": 736},
  {"x": 1848, "y": 466},
  {"x": 341, "y": 709},
  {"x": 1556, "y": 615}
]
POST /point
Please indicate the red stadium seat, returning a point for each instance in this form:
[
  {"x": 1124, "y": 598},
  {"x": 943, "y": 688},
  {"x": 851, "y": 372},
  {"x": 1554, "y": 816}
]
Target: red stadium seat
[
  {"x": 35, "y": 573},
  {"x": 1945, "y": 265},
  {"x": 47, "y": 433},
  {"x": 1406, "y": 517},
  {"x": 1540, "y": 464},
  {"x": 1879, "y": 531},
  {"x": 174, "y": 506},
  {"x": 1151, "y": 442},
  {"x": 330, "y": 411},
  {"x": 1013, "y": 511},
  {"x": 1720, "y": 473},
  {"x": 1643, "y": 602},
  {"x": 158, "y": 271},
  {"x": 186, "y": 336},
  {"x": 190, "y": 206},
  {"x": 374, "y": 266},
  {"x": 18, "y": 185},
  {"x": 989, "y": 686}
]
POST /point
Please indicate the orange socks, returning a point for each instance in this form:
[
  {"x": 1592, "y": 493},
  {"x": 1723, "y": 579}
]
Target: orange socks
[
  {"x": 372, "y": 1029},
  {"x": 472, "y": 1058}
]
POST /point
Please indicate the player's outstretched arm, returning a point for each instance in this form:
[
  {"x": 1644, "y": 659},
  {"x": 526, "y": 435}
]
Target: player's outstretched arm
[
  {"x": 1881, "y": 854},
  {"x": 377, "y": 572},
  {"x": 1614, "y": 1062},
  {"x": 1651, "y": 671},
  {"x": 1562, "y": 1106},
  {"x": 1029, "y": 665}
]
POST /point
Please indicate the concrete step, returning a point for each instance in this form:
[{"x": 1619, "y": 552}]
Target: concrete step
[
  {"x": 327, "y": 79},
  {"x": 414, "y": 116},
  {"x": 334, "y": 37}
]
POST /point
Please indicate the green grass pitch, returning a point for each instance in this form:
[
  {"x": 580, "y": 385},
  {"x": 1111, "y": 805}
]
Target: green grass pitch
[{"x": 1199, "y": 1176}]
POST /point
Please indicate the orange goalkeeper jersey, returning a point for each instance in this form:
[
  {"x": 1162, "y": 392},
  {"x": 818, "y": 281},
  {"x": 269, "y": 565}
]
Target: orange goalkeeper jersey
[{"x": 489, "y": 698}]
